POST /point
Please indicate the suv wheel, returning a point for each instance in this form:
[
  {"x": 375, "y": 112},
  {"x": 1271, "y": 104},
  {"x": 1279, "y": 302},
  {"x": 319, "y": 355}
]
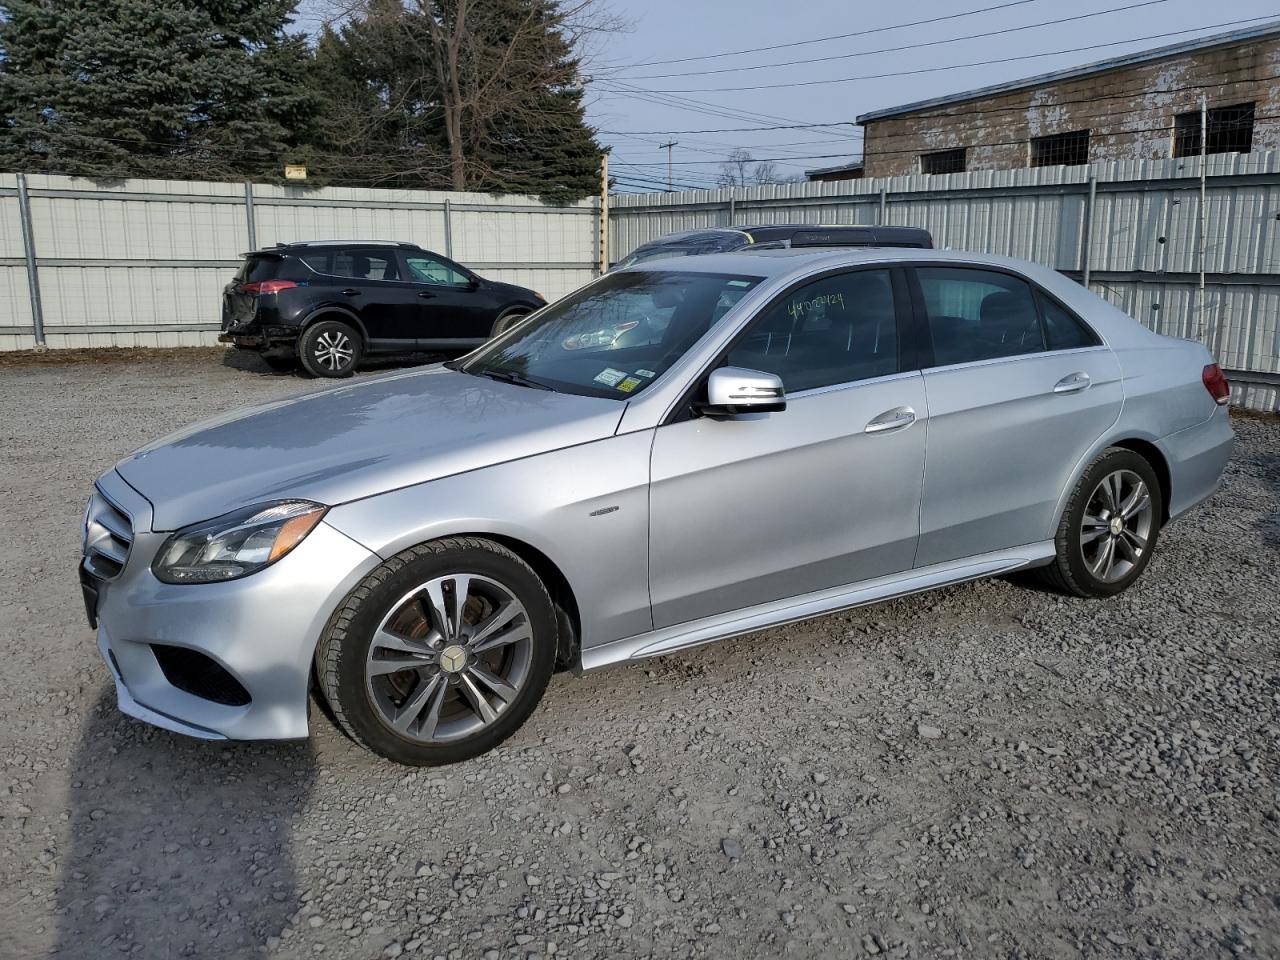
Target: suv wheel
[
  {"x": 1110, "y": 527},
  {"x": 329, "y": 348},
  {"x": 441, "y": 653},
  {"x": 508, "y": 320}
]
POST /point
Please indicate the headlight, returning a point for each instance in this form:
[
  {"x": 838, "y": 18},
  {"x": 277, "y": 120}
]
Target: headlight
[{"x": 237, "y": 544}]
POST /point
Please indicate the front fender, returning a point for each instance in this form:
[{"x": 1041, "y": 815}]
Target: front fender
[{"x": 586, "y": 508}]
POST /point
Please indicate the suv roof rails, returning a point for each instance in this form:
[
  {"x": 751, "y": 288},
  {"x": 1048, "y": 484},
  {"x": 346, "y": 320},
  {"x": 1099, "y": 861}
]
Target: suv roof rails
[{"x": 348, "y": 243}]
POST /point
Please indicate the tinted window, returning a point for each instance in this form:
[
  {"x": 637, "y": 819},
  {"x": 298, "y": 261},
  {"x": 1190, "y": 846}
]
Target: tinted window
[
  {"x": 615, "y": 336},
  {"x": 258, "y": 268},
  {"x": 1062, "y": 330},
  {"x": 834, "y": 330},
  {"x": 978, "y": 314},
  {"x": 424, "y": 269},
  {"x": 363, "y": 265}
]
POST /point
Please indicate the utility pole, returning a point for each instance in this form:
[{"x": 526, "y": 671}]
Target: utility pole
[
  {"x": 1203, "y": 238},
  {"x": 603, "y": 226},
  {"x": 668, "y": 147}
]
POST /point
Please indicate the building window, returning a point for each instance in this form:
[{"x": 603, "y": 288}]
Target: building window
[
  {"x": 1230, "y": 130},
  {"x": 943, "y": 161},
  {"x": 1061, "y": 149}
]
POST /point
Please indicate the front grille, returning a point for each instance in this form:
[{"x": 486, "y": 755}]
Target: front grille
[
  {"x": 108, "y": 535},
  {"x": 199, "y": 675}
]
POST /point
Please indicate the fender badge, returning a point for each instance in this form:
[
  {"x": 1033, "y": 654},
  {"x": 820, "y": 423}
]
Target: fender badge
[{"x": 602, "y": 511}]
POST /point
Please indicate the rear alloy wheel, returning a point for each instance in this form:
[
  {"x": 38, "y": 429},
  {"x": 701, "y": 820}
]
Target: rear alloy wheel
[
  {"x": 329, "y": 348},
  {"x": 441, "y": 654},
  {"x": 1110, "y": 527}
]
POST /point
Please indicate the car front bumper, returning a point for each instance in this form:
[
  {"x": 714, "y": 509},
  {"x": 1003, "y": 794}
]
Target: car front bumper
[{"x": 261, "y": 630}]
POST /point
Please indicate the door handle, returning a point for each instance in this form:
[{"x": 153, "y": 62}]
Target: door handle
[
  {"x": 1072, "y": 383},
  {"x": 425, "y": 294},
  {"x": 898, "y": 418},
  {"x": 350, "y": 292}
]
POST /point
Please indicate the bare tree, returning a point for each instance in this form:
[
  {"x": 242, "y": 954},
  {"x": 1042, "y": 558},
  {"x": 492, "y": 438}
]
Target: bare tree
[{"x": 741, "y": 170}]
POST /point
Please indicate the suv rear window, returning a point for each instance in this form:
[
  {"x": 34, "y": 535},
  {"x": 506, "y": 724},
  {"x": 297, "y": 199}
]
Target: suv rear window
[
  {"x": 357, "y": 264},
  {"x": 258, "y": 267}
]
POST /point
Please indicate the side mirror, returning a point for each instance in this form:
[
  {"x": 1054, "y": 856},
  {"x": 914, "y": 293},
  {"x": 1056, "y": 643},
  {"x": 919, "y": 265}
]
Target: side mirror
[{"x": 732, "y": 391}]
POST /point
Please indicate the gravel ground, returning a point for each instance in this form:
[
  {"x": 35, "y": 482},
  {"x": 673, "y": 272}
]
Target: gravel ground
[{"x": 986, "y": 771}]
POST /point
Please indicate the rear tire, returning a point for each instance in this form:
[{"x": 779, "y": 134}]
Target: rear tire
[
  {"x": 1109, "y": 529},
  {"x": 507, "y": 321},
  {"x": 330, "y": 348},
  {"x": 419, "y": 678}
]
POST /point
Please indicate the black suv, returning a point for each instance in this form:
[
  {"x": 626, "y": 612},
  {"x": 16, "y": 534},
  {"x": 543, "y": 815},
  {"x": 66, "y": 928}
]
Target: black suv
[
  {"x": 770, "y": 236},
  {"x": 327, "y": 304}
]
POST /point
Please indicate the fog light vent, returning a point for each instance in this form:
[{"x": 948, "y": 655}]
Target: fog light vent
[{"x": 199, "y": 675}]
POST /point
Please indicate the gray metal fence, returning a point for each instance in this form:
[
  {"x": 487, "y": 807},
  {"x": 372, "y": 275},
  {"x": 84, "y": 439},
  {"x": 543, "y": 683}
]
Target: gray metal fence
[
  {"x": 143, "y": 262},
  {"x": 1131, "y": 229}
]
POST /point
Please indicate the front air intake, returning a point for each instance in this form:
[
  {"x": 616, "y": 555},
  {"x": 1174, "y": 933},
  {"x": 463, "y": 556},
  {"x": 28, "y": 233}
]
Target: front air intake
[{"x": 199, "y": 675}]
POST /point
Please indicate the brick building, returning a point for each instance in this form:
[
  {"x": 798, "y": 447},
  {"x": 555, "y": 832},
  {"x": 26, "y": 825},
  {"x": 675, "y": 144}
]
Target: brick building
[{"x": 1137, "y": 107}]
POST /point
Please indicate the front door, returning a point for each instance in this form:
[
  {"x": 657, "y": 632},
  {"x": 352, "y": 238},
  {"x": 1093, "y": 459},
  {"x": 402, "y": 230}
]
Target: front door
[
  {"x": 825, "y": 493},
  {"x": 366, "y": 284},
  {"x": 1020, "y": 390},
  {"x": 443, "y": 304}
]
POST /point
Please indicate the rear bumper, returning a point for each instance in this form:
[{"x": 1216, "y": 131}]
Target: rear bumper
[
  {"x": 1197, "y": 457},
  {"x": 261, "y": 338}
]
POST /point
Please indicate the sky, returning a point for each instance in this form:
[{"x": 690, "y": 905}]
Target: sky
[{"x": 651, "y": 83}]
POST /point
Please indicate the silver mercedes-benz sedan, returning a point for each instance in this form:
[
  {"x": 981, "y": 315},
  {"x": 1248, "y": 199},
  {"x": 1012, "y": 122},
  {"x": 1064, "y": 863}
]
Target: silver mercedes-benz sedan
[{"x": 791, "y": 433}]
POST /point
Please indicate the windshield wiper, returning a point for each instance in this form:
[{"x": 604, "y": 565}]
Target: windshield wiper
[{"x": 510, "y": 376}]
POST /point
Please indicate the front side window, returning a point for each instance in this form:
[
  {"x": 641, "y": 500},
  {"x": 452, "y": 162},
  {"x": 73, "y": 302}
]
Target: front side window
[
  {"x": 613, "y": 337},
  {"x": 424, "y": 269},
  {"x": 978, "y": 314},
  {"x": 838, "y": 329}
]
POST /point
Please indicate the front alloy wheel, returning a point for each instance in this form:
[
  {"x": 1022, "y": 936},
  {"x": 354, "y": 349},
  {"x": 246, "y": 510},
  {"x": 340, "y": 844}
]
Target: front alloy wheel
[
  {"x": 441, "y": 653},
  {"x": 449, "y": 658}
]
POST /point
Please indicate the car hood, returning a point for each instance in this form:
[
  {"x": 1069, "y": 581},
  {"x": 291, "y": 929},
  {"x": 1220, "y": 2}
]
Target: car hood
[{"x": 357, "y": 440}]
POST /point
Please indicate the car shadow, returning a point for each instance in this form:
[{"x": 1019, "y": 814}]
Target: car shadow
[
  {"x": 178, "y": 847},
  {"x": 248, "y": 361}
]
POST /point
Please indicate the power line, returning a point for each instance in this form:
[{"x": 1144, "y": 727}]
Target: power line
[
  {"x": 838, "y": 36},
  {"x": 909, "y": 46},
  {"x": 953, "y": 66}
]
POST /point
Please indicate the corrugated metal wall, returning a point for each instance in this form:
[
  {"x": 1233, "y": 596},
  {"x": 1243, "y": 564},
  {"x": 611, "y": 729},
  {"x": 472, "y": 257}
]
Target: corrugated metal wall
[
  {"x": 143, "y": 262},
  {"x": 1142, "y": 249}
]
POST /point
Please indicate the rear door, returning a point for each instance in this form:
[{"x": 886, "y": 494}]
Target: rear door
[
  {"x": 824, "y": 493},
  {"x": 445, "y": 304},
  {"x": 1019, "y": 390},
  {"x": 363, "y": 280}
]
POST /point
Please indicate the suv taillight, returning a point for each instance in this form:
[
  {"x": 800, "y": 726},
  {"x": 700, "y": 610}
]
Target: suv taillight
[
  {"x": 267, "y": 286},
  {"x": 1215, "y": 381}
]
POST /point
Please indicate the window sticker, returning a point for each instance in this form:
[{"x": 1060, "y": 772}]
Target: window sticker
[
  {"x": 629, "y": 384},
  {"x": 610, "y": 377},
  {"x": 647, "y": 374},
  {"x": 738, "y": 283}
]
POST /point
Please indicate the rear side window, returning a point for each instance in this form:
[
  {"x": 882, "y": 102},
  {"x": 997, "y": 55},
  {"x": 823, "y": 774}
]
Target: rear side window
[
  {"x": 1063, "y": 330},
  {"x": 258, "y": 268},
  {"x": 978, "y": 314},
  {"x": 838, "y": 329},
  {"x": 357, "y": 264}
]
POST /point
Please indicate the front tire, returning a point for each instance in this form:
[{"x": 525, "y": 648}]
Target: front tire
[
  {"x": 1109, "y": 528},
  {"x": 507, "y": 321},
  {"x": 441, "y": 653},
  {"x": 330, "y": 348}
]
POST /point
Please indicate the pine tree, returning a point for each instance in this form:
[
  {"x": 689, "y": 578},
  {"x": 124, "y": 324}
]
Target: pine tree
[{"x": 207, "y": 89}]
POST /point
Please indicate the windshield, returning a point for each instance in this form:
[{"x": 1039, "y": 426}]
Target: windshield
[{"x": 615, "y": 336}]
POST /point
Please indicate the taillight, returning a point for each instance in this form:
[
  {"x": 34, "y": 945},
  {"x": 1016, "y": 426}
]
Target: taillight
[
  {"x": 263, "y": 287},
  {"x": 1215, "y": 381}
]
